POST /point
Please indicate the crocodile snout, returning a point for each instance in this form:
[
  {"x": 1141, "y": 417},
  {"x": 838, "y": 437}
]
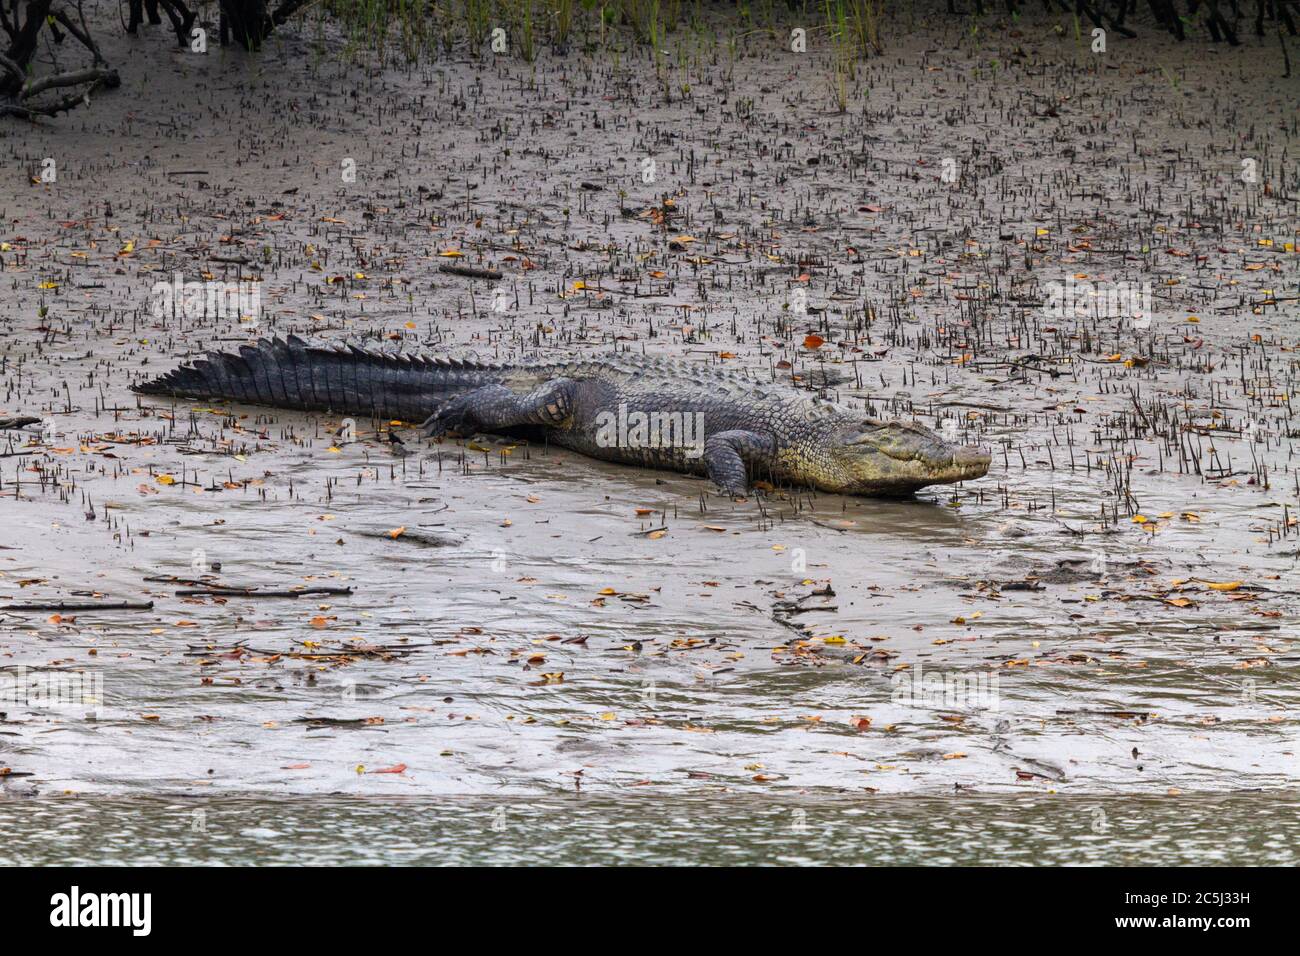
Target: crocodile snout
[{"x": 972, "y": 461}]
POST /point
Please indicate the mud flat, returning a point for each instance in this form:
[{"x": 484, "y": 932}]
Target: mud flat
[{"x": 1110, "y": 612}]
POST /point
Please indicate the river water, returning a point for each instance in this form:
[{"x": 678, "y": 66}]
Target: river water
[{"x": 1242, "y": 830}]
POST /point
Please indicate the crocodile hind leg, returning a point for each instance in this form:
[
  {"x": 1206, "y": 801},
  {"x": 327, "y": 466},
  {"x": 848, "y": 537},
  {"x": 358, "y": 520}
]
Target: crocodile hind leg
[
  {"x": 495, "y": 407},
  {"x": 725, "y": 455}
]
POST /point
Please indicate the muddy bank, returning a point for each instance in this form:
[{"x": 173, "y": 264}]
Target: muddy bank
[{"x": 1110, "y": 611}]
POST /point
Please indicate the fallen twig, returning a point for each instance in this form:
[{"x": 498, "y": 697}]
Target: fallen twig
[
  {"x": 259, "y": 593},
  {"x": 470, "y": 272},
  {"x": 80, "y": 606}
]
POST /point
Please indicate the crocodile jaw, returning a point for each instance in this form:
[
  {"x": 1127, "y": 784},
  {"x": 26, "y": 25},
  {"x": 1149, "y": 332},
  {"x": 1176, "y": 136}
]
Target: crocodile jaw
[
  {"x": 887, "y": 459},
  {"x": 902, "y": 477}
]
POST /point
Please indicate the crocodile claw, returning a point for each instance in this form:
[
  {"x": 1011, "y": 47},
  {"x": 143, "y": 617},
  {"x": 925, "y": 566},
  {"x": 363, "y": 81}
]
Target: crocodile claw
[
  {"x": 444, "y": 420},
  {"x": 739, "y": 492}
]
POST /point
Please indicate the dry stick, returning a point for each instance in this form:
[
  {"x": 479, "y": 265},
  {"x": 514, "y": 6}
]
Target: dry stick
[
  {"x": 257, "y": 593},
  {"x": 173, "y": 579},
  {"x": 470, "y": 272},
  {"x": 1142, "y": 414},
  {"x": 81, "y": 606}
]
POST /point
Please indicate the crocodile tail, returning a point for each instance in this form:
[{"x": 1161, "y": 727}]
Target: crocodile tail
[{"x": 340, "y": 378}]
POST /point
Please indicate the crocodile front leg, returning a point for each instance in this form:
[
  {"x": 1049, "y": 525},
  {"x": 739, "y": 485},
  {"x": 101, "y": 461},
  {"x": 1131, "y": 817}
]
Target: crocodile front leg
[
  {"x": 494, "y": 407},
  {"x": 725, "y": 455}
]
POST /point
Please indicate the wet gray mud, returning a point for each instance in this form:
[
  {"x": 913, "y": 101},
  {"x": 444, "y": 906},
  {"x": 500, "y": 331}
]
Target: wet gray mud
[{"x": 1109, "y": 612}]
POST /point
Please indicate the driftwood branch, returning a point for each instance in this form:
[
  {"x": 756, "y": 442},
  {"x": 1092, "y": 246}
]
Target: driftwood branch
[
  {"x": 254, "y": 592},
  {"x": 469, "y": 272},
  {"x": 80, "y": 606},
  {"x": 31, "y": 111},
  {"x": 93, "y": 75},
  {"x": 17, "y": 89}
]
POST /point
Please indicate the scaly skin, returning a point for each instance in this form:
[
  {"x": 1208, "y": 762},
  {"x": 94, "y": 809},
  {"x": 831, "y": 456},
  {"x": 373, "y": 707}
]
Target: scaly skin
[{"x": 706, "y": 420}]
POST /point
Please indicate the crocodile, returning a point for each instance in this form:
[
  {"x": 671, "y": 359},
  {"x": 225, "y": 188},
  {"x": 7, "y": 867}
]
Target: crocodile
[{"x": 662, "y": 413}]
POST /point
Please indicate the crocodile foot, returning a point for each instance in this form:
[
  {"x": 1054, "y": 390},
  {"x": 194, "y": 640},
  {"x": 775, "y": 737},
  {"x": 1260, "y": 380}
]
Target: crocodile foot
[
  {"x": 735, "y": 493},
  {"x": 455, "y": 416}
]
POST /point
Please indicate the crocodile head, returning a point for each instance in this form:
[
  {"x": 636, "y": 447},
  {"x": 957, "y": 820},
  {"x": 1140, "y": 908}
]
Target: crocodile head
[{"x": 896, "y": 458}]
